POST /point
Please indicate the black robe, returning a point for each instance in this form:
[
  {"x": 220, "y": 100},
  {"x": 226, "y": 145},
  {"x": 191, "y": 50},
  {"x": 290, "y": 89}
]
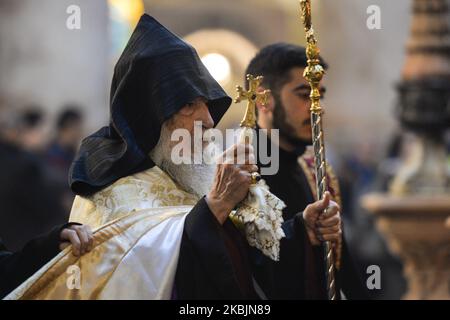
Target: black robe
[
  {"x": 300, "y": 272},
  {"x": 217, "y": 263},
  {"x": 214, "y": 261},
  {"x": 16, "y": 267},
  {"x": 30, "y": 204}
]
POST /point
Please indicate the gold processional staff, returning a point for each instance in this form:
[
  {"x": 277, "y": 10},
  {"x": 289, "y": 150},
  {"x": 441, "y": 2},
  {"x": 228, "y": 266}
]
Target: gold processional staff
[{"x": 313, "y": 74}]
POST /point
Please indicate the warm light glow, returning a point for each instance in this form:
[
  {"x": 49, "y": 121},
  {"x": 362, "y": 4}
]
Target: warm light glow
[
  {"x": 128, "y": 10},
  {"x": 124, "y": 15},
  {"x": 219, "y": 67}
]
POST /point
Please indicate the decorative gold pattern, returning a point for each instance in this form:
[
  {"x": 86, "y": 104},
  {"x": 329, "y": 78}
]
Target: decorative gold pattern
[
  {"x": 150, "y": 188},
  {"x": 260, "y": 216},
  {"x": 139, "y": 222}
]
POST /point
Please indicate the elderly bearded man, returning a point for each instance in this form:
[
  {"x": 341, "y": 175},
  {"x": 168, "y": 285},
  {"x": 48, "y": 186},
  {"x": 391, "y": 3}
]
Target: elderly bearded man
[{"x": 162, "y": 229}]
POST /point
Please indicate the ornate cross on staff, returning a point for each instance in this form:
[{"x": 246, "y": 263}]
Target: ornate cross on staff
[{"x": 253, "y": 97}]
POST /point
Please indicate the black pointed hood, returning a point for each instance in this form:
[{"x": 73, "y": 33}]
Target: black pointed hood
[{"x": 157, "y": 74}]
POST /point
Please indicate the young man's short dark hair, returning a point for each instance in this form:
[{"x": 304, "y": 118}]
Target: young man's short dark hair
[{"x": 275, "y": 61}]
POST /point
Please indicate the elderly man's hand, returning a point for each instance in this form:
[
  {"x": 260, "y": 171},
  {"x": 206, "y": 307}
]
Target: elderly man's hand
[
  {"x": 79, "y": 236},
  {"x": 324, "y": 226},
  {"x": 232, "y": 180}
]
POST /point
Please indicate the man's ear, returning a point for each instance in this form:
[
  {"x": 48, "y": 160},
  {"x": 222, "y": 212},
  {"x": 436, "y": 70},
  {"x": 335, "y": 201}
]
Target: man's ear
[{"x": 268, "y": 107}]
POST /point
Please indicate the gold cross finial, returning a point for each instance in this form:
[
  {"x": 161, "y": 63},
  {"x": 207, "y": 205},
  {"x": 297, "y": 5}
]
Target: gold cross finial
[{"x": 253, "y": 97}]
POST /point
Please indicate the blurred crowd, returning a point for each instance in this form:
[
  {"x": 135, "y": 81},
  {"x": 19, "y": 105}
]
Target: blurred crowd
[
  {"x": 361, "y": 172},
  {"x": 35, "y": 158}
]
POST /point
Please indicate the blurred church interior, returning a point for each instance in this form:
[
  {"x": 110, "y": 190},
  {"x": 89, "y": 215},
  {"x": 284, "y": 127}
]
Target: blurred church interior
[{"x": 386, "y": 122}]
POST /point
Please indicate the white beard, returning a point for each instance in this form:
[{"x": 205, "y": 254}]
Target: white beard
[{"x": 193, "y": 178}]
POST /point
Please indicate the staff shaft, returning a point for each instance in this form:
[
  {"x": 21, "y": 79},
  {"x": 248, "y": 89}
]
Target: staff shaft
[{"x": 313, "y": 74}]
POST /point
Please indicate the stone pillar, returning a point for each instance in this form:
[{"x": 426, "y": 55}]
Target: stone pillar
[
  {"x": 413, "y": 216},
  {"x": 415, "y": 230}
]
